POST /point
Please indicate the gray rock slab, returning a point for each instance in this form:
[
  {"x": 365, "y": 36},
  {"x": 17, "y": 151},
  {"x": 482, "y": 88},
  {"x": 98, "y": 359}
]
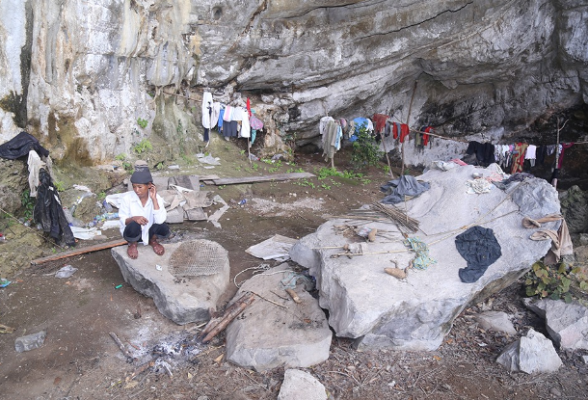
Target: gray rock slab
[
  {"x": 415, "y": 313},
  {"x": 300, "y": 385},
  {"x": 284, "y": 334},
  {"x": 175, "y": 216},
  {"x": 567, "y": 324},
  {"x": 497, "y": 321},
  {"x": 532, "y": 353},
  {"x": 182, "y": 299},
  {"x": 191, "y": 182}
]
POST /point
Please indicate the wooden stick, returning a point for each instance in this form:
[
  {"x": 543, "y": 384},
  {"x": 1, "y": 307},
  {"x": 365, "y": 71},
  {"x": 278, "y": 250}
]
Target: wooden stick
[
  {"x": 121, "y": 346},
  {"x": 84, "y": 250},
  {"x": 140, "y": 370},
  {"x": 294, "y": 296},
  {"x": 408, "y": 122},
  {"x": 228, "y": 318},
  {"x": 215, "y": 320}
]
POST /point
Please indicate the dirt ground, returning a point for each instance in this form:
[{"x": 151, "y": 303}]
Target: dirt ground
[{"x": 80, "y": 360}]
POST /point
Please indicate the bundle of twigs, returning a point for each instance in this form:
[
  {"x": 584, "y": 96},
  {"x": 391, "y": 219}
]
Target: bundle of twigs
[{"x": 397, "y": 215}]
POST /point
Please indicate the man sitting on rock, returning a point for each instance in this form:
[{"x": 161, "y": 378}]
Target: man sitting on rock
[{"x": 142, "y": 214}]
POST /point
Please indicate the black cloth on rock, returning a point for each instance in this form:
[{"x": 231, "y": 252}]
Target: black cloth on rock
[
  {"x": 479, "y": 247},
  {"x": 20, "y": 145},
  {"x": 406, "y": 185},
  {"x": 49, "y": 212}
]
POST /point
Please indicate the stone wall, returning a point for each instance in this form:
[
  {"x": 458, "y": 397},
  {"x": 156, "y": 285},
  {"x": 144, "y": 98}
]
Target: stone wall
[{"x": 82, "y": 74}]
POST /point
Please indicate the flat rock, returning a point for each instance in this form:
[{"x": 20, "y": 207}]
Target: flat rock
[
  {"x": 184, "y": 290},
  {"x": 284, "y": 334},
  {"x": 301, "y": 385},
  {"x": 532, "y": 353},
  {"x": 415, "y": 313},
  {"x": 567, "y": 324},
  {"x": 497, "y": 321}
]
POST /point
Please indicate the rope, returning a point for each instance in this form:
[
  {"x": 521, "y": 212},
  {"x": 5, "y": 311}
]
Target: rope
[{"x": 256, "y": 270}]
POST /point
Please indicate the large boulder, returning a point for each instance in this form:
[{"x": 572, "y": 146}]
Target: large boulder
[
  {"x": 274, "y": 330},
  {"x": 185, "y": 283},
  {"x": 415, "y": 313}
]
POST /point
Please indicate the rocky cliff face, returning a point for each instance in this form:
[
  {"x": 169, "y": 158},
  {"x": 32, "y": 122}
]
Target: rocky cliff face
[{"x": 81, "y": 75}]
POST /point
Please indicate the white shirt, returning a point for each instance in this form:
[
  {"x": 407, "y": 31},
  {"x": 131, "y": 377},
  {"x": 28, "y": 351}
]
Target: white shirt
[{"x": 130, "y": 206}]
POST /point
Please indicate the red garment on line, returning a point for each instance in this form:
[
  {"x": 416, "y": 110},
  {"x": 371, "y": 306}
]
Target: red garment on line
[
  {"x": 249, "y": 107},
  {"x": 404, "y": 131},
  {"x": 564, "y": 146},
  {"x": 380, "y": 122},
  {"x": 425, "y": 136},
  {"x": 394, "y": 130}
]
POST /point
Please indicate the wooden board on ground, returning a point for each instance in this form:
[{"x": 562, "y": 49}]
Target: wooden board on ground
[
  {"x": 83, "y": 250},
  {"x": 208, "y": 179},
  {"x": 263, "y": 178}
]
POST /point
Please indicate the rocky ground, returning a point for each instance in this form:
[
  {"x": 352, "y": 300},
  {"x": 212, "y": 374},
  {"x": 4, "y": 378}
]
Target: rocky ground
[{"x": 80, "y": 360}]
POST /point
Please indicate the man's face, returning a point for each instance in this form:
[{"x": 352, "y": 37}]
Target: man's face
[{"x": 141, "y": 189}]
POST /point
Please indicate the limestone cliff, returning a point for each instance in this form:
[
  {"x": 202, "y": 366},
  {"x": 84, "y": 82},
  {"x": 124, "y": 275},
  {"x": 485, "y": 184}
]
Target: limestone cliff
[{"x": 80, "y": 75}]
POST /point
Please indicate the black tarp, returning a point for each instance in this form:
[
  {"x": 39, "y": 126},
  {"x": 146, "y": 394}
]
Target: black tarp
[
  {"x": 20, "y": 145},
  {"x": 49, "y": 212},
  {"x": 479, "y": 247}
]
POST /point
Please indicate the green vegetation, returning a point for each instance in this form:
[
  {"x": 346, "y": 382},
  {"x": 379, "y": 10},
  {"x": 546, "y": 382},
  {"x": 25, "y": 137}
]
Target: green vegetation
[
  {"x": 142, "y": 123},
  {"x": 143, "y": 146},
  {"x": 59, "y": 185},
  {"x": 555, "y": 282},
  {"x": 28, "y": 204},
  {"x": 366, "y": 152},
  {"x": 121, "y": 157}
]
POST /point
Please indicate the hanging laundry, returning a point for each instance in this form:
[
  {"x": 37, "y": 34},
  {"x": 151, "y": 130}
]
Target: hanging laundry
[
  {"x": 531, "y": 154},
  {"x": 395, "y": 130},
  {"x": 248, "y": 107},
  {"x": 428, "y": 129},
  {"x": 360, "y": 123},
  {"x": 323, "y": 124},
  {"x": 404, "y": 131},
  {"x": 518, "y": 157},
  {"x": 484, "y": 152},
  {"x": 245, "y": 125},
  {"x": 562, "y": 149},
  {"x": 541, "y": 153},
  {"x": 380, "y": 120},
  {"x": 206, "y": 114},
  {"x": 479, "y": 247},
  {"x": 331, "y": 139}
]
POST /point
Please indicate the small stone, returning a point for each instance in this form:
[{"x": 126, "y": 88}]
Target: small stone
[{"x": 555, "y": 392}]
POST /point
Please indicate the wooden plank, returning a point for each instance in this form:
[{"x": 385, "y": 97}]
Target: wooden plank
[
  {"x": 263, "y": 178},
  {"x": 83, "y": 250}
]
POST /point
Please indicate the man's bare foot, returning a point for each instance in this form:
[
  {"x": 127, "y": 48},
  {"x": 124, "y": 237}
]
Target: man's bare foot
[
  {"x": 157, "y": 247},
  {"x": 132, "y": 251}
]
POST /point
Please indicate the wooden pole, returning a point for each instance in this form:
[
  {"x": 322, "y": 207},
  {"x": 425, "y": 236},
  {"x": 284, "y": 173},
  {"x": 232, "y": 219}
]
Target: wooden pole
[
  {"x": 76, "y": 252},
  {"x": 387, "y": 158},
  {"x": 557, "y": 154},
  {"x": 407, "y": 122}
]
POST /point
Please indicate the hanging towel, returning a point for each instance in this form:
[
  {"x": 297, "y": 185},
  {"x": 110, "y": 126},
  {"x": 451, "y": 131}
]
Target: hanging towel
[{"x": 207, "y": 110}]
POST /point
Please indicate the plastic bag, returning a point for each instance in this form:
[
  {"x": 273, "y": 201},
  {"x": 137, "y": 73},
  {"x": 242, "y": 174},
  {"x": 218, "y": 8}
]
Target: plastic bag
[{"x": 255, "y": 123}]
